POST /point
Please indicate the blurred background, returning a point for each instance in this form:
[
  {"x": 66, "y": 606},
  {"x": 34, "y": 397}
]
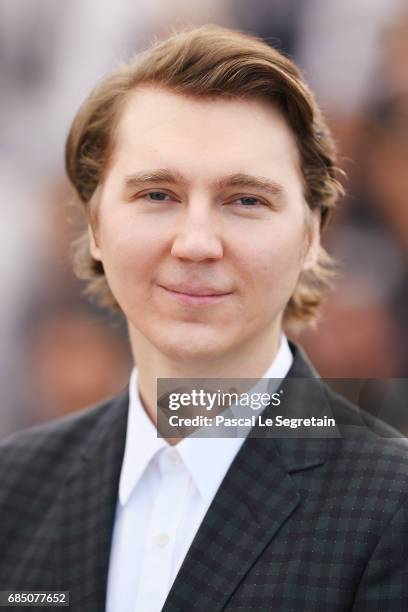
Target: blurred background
[{"x": 59, "y": 351}]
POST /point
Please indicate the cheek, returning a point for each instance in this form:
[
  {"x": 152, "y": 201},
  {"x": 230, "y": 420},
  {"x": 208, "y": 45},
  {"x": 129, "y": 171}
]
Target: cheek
[
  {"x": 128, "y": 252},
  {"x": 272, "y": 261}
]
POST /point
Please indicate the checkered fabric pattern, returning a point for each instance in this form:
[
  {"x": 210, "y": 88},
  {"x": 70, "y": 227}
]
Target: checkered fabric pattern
[{"x": 297, "y": 524}]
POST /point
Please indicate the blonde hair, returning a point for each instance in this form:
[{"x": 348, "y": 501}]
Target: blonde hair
[{"x": 209, "y": 61}]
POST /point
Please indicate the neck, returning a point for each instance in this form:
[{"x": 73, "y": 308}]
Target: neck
[{"x": 251, "y": 361}]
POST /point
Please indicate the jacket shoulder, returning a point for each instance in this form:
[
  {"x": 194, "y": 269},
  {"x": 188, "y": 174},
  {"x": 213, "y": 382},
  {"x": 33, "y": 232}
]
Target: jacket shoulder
[
  {"x": 46, "y": 451},
  {"x": 353, "y": 421},
  {"x": 372, "y": 455}
]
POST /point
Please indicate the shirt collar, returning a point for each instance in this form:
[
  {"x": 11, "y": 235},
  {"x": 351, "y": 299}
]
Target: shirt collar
[
  {"x": 141, "y": 443},
  {"x": 207, "y": 459}
]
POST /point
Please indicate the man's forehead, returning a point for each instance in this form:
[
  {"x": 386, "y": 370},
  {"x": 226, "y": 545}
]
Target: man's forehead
[
  {"x": 152, "y": 105},
  {"x": 160, "y": 129}
]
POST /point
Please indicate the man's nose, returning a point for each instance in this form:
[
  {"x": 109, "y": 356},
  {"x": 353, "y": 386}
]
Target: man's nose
[{"x": 198, "y": 235}]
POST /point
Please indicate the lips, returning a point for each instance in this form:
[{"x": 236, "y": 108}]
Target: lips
[{"x": 195, "y": 290}]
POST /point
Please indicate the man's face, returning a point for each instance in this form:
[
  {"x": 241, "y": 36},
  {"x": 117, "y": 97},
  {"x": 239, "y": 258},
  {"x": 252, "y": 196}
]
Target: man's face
[{"x": 203, "y": 197}]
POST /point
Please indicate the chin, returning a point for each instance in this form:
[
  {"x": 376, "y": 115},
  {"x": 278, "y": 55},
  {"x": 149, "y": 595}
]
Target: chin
[{"x": 188, "y": 344}]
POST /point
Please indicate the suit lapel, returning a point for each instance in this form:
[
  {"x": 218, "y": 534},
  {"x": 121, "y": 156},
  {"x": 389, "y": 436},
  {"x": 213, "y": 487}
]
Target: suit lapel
[
  {"x": 255, "y": 498},
  {"x": 241, "y": 521},
  {"x": 87, "y": 508}
]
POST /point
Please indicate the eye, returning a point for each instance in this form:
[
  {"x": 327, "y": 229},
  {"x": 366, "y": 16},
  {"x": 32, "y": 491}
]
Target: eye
[
  {"x": 156, "y": 196},
  {"x": 249, "y": 202}
]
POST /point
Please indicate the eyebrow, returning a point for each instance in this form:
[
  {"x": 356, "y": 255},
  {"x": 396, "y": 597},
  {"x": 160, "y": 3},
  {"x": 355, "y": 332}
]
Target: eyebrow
[
  {"x": 249, "y": 181},
  {"x": 245, "y": 181}
]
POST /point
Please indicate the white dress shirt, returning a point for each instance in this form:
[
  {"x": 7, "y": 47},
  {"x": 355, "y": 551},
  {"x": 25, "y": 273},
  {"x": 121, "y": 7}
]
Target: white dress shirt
[{"x": 164, "y": 493}]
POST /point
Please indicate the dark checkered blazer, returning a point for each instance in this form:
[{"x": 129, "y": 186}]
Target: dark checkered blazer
[{"x": 297, "y": 525}]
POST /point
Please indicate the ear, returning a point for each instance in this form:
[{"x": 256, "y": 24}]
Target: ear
[
  {"x": 93, "y": 245},
  {"x": 312, "y": 239}
]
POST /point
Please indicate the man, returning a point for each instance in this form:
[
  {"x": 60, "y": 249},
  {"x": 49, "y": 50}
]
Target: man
[{"x": 206, "y": 172}]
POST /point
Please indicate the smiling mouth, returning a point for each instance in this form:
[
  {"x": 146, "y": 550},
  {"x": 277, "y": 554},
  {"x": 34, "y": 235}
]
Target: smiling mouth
[{"x": 193, "y": 299}]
